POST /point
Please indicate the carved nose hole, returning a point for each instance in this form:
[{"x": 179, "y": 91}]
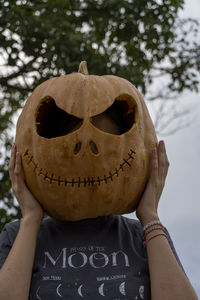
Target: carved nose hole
[
  {"x": 77, "y": 147},
  {"x": 93, "y": 147}
]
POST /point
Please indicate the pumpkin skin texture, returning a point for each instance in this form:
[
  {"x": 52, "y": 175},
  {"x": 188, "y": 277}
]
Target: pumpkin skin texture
[{"x": 71, "y": 179}]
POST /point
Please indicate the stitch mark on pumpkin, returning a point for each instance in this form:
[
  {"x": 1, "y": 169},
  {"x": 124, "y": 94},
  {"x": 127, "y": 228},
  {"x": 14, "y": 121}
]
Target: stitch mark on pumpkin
[
  {"x": 35, "y": 167},
  {"x": 46, "y": 175},
  {"x": 121, "y": 166},
  {"x": 26, "y": 153},
  {"x": 30, "y": 160},
  {"x": 98, "y": 180},
  {"x": 126, "y": 161},
  {"x": 132, "y": 151},
  {"x": 51, "y": 178},
  {"x": 85, "y": 181},
  {"x": 92, "y": 181}
]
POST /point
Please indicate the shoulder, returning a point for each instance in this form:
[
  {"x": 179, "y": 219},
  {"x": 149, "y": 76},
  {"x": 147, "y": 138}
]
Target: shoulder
[
  {"x": 7, "y": 238},
  {"x": 13, "y": 225},
  {"x": 123, "y": 223},
  {"x": 134, "y": 227},
  {"x": 11, "y": 229},
  {"x": 132, "y": 232},
  {"x": 129, "y": 223}
]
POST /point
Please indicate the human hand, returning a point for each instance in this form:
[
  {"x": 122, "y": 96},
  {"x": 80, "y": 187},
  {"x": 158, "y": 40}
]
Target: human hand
[
  {"x": 147, "y": 207},
  {"x": 30, "y": 207}
]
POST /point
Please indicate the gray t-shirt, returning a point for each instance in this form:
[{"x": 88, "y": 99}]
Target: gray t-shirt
[{"x": 101, "y": 258}]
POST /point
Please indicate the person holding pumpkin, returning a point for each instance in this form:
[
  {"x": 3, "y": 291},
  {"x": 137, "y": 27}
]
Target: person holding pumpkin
[{"x": 97, "y": 256}]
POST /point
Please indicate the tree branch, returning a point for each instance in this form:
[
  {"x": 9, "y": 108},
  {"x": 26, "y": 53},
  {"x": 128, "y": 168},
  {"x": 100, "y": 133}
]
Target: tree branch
[
  {"x": 21, "y": 71},
  {"x": 4, "y": 80},
  {"x": 16, "y": 87}
]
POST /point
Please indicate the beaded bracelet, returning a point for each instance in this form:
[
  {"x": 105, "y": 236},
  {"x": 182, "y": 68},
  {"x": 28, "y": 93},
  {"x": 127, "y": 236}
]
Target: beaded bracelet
[{"x": 151, "y": 224}]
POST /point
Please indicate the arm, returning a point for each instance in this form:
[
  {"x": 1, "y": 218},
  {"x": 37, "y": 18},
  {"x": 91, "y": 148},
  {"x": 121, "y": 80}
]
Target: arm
[
  {"x": 15, "y": 275},
  {"x": 167, "y": 279}
]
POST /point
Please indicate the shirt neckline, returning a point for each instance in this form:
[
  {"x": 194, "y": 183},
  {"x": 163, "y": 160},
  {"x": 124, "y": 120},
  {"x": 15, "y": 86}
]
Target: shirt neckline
[{"x": 89, "y": 222}]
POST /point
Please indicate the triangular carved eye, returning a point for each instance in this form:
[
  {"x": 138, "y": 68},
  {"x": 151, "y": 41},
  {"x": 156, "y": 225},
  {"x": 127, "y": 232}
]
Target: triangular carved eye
[
  {"x": 51, "y": 121},
  {"x": 119, "y": 118}
]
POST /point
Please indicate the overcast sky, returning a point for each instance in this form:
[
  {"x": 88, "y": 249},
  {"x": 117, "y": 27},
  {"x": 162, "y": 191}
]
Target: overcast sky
[{"x": 179, "y": 208}]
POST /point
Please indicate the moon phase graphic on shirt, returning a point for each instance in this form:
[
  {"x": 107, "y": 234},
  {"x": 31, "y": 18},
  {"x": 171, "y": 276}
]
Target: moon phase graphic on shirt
[
  {"x": 80, "y": 290},
  {"x": 141, "y": 291},
  {"x": 37, "y": 295},
  {"x": 101, "y": 291},
  {"x": 57, "y": 290},
  {"x": 122, "y": 288}
]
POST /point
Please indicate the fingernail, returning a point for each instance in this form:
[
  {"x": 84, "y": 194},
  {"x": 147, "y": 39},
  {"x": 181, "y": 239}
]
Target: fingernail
[
  {"x": 162, "y": 143},
  {"x": 14, "y": 145},
  {"x": 18, "y": 155}
]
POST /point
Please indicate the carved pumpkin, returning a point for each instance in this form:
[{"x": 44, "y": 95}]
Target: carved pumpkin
[{"x": 86, "y": 172}]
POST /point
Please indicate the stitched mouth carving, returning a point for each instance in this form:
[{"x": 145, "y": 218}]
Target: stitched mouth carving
[{"x": 86, "y": 181}]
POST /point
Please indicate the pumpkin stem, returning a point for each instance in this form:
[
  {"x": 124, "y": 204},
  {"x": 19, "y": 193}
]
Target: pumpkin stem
[{"x": 83, "y": 68}]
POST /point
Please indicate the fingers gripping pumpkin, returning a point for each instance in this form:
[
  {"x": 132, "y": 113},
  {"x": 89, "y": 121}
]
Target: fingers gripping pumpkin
[{"x": 75, "y": 169}]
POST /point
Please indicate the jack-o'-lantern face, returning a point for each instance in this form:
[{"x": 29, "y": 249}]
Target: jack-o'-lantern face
[{"x": 85, "y": 142}]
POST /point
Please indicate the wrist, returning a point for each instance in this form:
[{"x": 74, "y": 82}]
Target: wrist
[
  {"x": 148, "y": 218},
  {"x": 33, "y": 221}
]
